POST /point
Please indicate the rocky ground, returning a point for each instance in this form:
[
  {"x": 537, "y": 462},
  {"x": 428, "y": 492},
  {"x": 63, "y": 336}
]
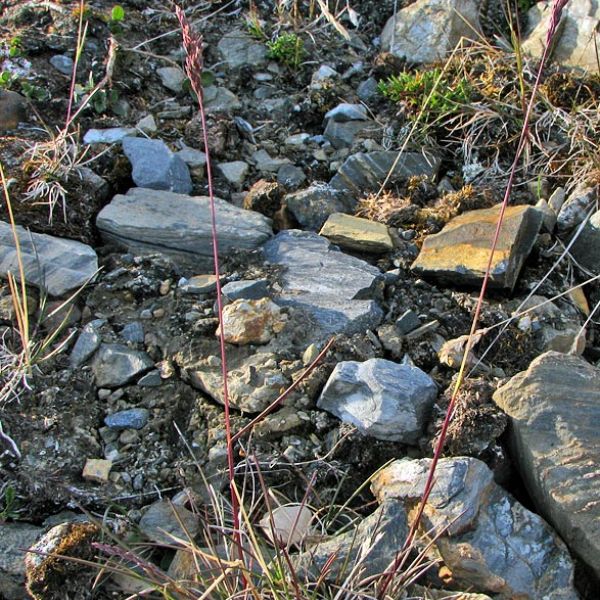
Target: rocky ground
[{"x": 339, "y": 219}]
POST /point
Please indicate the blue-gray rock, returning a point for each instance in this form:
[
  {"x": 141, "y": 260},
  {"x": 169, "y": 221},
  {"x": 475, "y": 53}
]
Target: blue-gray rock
[
  {"x": 133, "y": 418},
  {"x": 115, "y": 365},
  {"x": 347, "y": 112},
  {"x": 290, "y": 176},
  {"x": 193, "y": 158},
  {"x": 383, "y": 399},
  {"x": 234, "y": 172},
  {"x": 151, "y": 379},
  {"x": 365, "y": 172},
  {"x": 408, "y": 321},
  {"x": 264, "y": 162},
  {"x": 323, "y": 75},
  {"x": 335, "y": 289},
  {"x": 155, "y": 166},
  {"x": 586, "y": 248},
  {"x": 55, "y": 265},
  {"x": 217, "y": 99},
  {"x": 249, "y": 289},
  {"x": 368, "y": 90},
  {"x": 165, "y": 522},
  {"x": 133, "y": 332},
  {"x": 62, "y": 63},
  {"x": 575, "y": 208},
  {"x": 87, "y": 343},
  {"x": 554, "y": 409},
  {"x": 172, "y": 78},
  {"x": 112, "y": 135},
  {"x": 177, "y": 225},
  {"x": 313, "y": 205},
  {"x": 15, "y": 539},
  {"x": 341, "y": 134},
  {"x": 487, "y": 539},
  {"x": 238, "y": 49}
]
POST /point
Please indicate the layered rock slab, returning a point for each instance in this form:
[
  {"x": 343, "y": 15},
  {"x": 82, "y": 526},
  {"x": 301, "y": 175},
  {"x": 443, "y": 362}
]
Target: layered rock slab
[
  {"x": 177, "y": 225},
  {"x": 336, "y": 290},
  {"x": 459, "y": 254},
  {"x": 554, "y": 409},
  {"x": 354, "y": 233},
  {"x": 55, "y": 265},
  {"x": 487, "y": 539}
]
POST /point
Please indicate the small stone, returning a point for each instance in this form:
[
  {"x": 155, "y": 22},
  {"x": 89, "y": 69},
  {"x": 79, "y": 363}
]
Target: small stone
[
  {"x": 200, "y": 284},
  {"x": 97, "y": 469},
  {"x": 151, "y": 379},
  {"x": 347, "y": 112},
  {"x": 133, "y": 332},
  {"x": 13, "y": 110},
  {"x": 407, "y": 322},
  {"x": 310, "y": 354},
  {"x": 147, "y": 124},
  {"x": 129, "y": 436},
  {"x": 112, "y": 135},
  {"x": 62, "y": 63},
  {"x": 221, "y": 99},
  {"x": 368, "y": 91},
  {"x": 354, "y": 233},
  {"x": 548, "y": 215},
  {"x": 290, "y": 177},
  {"x": 576, "y": 207},
  {"x": 297, "y": 139},
  {"x": 234, "y": 172},
  {"x": 165, "y": 287},
  {"x": 323, "y": 74},
  {"x": 238, "y": 49},
  {"x": 249, "y": 289},
  {"x": 264, "y": 162},
  {"x": 191, "y": 157},
  {"x": 115, "y": 365},
  {"x": 172, "y": 78},
  {"x": 166, "y": 523},
  {"x": 87, "y": 343},
  {"x": 133, "y": 418},
  {"x": 342, "y": 134},
  {"x": 158, "y": 313},
  {"x": 252, "y": 321},
  {"x": 557, "y": 199}
]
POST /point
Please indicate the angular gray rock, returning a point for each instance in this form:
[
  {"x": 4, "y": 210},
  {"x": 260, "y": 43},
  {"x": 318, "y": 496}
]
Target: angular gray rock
[
  {"x": 165, "y": 523},
  {"x": 347, "y": 112},
  {"x": 428, "y": 30},
  {"x": 13, "y": 109},
  {"x": 55, "y": 265},
  {"x": 341, "y": 134},
  {"x": 459, "y": 254},
  {"x": 115, "y": 365},
  {"x": 234, "y": 172},
  {"x": 218, "y": 98},
  {"x": 488, "y": 540},
  {"x": 172, "y": 78},
  {"x": 575, "y": 208},
  {"x": 383, "y": 399},
  {"x": 554, "y": 408},
  {"x": 290, "y": 176},
  {"x": 313, "y": 205},
  {"x": 87, "y": 343},
  {"x": 586, "y": 248},
  {"x": 578, "y": 34},
  {"x": 177, "y": 225},
  {"x": 332, "y": 287},
  {"x": 238, "y": 49},
  {"x": 132, "y": 418},
  {"x": 365, "y": 172},
  {"x": 112, "y": 135},
  {"x": 249, "y": 289},
  {"x": 62, "y": 63},
  {"x": 155, "y": 166}
]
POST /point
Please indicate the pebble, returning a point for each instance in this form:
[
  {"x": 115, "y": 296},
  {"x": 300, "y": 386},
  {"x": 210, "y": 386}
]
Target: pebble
[
  {"x": 133, "y": 418},
  {"x": 97, "y": 469},
  {"x": 133, "y": 332},
  {"x": 151, "y": 379},
  {"x": 62, "y": 63}
]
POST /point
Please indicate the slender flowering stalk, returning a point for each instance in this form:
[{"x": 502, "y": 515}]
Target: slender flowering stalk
[
  {"x": 557, "y": 8},
  {"x": 193, "y": 44}
]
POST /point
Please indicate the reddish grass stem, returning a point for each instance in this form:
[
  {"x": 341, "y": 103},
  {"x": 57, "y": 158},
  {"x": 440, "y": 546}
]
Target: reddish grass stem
[{"x": 557, "y": 8}]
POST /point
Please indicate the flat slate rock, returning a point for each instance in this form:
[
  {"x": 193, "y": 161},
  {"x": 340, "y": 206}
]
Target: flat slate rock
[
  {"x": 366, "y": 171},
  {"x": 178, "y": 225},
  {"x": 354, "y": 233},
  {"x": 334, "y": 288},
  {"x": 554, "y": 408},
  {"x": 385, "y": 400},
  {"x": 55, "y": 265},
  {"x": 238, "y": 49},
  {"x": 586, "y": 249},
  {"x": 459, "y": 254},
  {"x": 115, "y": 365}
]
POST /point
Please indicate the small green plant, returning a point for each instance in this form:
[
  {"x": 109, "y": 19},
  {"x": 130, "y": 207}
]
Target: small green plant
[
  {"x": 287, "y": 48},
  {"x": 33, "y": 92},
  {"x": 116, "y": 18},
  {"x": 15, "y": 48},
  {"x": 7, "y": 79},
  {"x": 418, "y": 90},
  {"x": 99, "y": 99},
  {"x": 8, "y": 510}
]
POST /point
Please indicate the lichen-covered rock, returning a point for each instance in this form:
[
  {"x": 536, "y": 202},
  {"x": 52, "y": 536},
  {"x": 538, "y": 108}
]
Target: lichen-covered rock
[
  {"x": 354, "y": 233},
  {"x": 252, "y": 321}
]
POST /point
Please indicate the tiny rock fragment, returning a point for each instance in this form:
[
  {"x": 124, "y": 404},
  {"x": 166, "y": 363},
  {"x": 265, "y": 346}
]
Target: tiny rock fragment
[{"x": 97, "y": 469}]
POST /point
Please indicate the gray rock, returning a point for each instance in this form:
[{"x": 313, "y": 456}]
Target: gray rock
[
  {"x": 369, "y": 548},
  {"x": 557, "y": 199},
  {"x": 151, "y": 379},
  {"x": 172, "y": 78},
  {"x": 347, "y": 112},
  {"x": 179, "y": 226},
  {"x": 133, "y": 332},
  {"x": 87, "y": 343},
  {"x": 486, "y": 538},
  {"x": 191, "y": 157},
  {"x": 577, "y": 36},
  {"x": 15, "y": 539},
  {"x": 133, "y": 418},
  {"x": 548, "y": 215},
  {"x": 297, "y": 139},
  {"x": 354, "y": 233},
  {"x": 238, "y": 49},
  {"x": 13, "y": 110},
  {"x": 459, "y": 254},
  {"x": 234, "y": 172},
  {"x": 62, "y": 63},
  {"x": 165, "y": 523},
  {"x": 428, "y": 30},
  {"x": 147, "y": 124},
  {"x": 383, "y": 399},
  {"x": 250, "y": 289},
  {"x": 575, "y": 208},
  {"x": 115, "y": 365},
  {"x": 407, "y": 322},
  {"x": 586, "y": 248},
  {"x": 323, "y": 74},
  {"x": 218, "y": 99},
  {"x": 312, "y": 206},
  {"x": 332, "y": 287},
  {"x": 368, "y": 90},
  {"x": 55, "y": 265},
  {"x": 199, "y": 284},
  {"x": 290, "y": 176},
  {"x": 253, "y": 382},
  {"x": 364, "y": 172},
  {"x": 155, "y": 166},
  {"x": 264, "y": 162},
  {"x": 112, "y": 135},
  {"x": 554, "y": 409},
  {"x": 342, "y": 134}
]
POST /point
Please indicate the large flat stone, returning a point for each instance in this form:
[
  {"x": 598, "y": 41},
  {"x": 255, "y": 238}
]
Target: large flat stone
[
  {"x": 554, "y": 409},
  {"x": 55, "y": 265},
  {"x": 366, "y": 171},
  {"x": 179, "y": 225},
  {"x": 354, "y": 233},
  {"x": 459, "y": 253},
  {"x": 335, "y": 289}
]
